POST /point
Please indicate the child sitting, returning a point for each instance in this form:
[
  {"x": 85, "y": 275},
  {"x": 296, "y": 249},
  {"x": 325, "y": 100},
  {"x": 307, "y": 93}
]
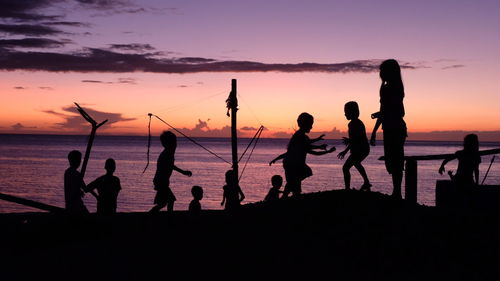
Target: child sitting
[
  {"x": 274, "y": 191},
  {"x": 195, "y": 206}
]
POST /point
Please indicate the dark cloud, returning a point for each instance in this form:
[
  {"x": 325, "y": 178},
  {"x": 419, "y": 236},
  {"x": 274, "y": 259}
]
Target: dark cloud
[
  {"x": 29, "y": 29},
  {"x": 46, "y": 88},
  {"x": 20, "y": 88},
  {"x": 120, "y": 81},
  {"x": 32, "y": 43},
  {"x": 93, "y": 81},
  {"x": 246, "y": 128},
  {"x": 137, "y": 47},
  {"x": 127, "y": 81},
  {"x": 182, "y": 86},
  {"x": 75, "y": 122},
  {"x": 19, "y": 126},
  {"x": 25, "y": 10},
  {"x": 453, "y": 66},
  {"x": 101, "y": 60},
  {"x": 68, "y": 23},
  {"x": 194, "y": 60}
]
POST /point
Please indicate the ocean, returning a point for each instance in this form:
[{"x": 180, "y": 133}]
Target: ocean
[{"x": 32, "y": 167}]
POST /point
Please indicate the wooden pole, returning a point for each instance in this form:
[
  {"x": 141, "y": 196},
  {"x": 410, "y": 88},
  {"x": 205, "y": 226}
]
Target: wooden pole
[
  {"x": 30, "y": 203},
  {"x": 95, "y": 126},
  {"x": 411, "y": 181},
  {"x": 234, "y": 129}
]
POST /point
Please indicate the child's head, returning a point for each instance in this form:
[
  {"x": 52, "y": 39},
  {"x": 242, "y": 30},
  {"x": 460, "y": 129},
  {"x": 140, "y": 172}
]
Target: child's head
[
  {"x": 471, "y": 142},
  {"x": 110, "y": 165},
  {"x": 197, "y": 192},
  {"x": 351, "y": 110},
  {"x": 277, "y": 181},
  {"x": 74, "y": 158},
  {"x": 390, "y": 71},
  {"x": 305, "y": 121},
  {"x": 231, "y": 177},
  {"x": 168, "y": 139}
]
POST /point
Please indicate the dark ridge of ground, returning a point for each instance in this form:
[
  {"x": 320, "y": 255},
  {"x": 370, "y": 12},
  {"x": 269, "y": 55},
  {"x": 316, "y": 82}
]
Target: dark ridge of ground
[{"x": 334, "y": 235}]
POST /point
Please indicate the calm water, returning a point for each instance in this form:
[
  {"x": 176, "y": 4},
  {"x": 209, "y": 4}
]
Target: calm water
[{"x": 32, "y": 167}]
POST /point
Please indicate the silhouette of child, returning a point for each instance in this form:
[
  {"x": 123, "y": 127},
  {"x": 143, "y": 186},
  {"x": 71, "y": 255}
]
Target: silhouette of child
[
  {"x": 74, "y": 185},
  {"x": 108, "y": 186},
  {"x": 195, "y": 206},
  {"x": 164, "y": 167},
  {"x": 390, "y": 117},
  {"x": 294, "y": 159},
  {"x": 357, "y": 143},
  {"x": 468, "y": 163},
  {"x": 232, "y": 196},
  {"x": 274, "y": 192}
]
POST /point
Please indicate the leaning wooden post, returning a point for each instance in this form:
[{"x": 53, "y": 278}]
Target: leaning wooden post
[
  {"x": 95, "y": 126},
  {"x": 411, "y": 180},
  {"x": 233, "y": 100}
]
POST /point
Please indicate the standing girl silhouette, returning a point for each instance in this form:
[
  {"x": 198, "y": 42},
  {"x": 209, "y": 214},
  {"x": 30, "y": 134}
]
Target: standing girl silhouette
[{"x": 390, "y": 117}]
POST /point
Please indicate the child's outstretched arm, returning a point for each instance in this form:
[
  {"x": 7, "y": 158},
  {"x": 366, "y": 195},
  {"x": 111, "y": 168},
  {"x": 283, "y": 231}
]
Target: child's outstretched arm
[
  {"x": 318, "y": 138},
  {"x": 184, "y": 172},
  {"x": 314, "y": 152},
  {"x": 277, "y": 158}
]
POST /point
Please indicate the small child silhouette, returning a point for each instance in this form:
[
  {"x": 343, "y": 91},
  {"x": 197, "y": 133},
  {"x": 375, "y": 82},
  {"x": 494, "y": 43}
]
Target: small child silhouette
[
  {"x": 232, "y": 196},
  {"x": 74, "y": 185},
  {"x": 357, "y": 143},
  {"x": 274, "y": 192},
  {"x": 195, "y": 206},
  {"x": 294, "y": 159},
  {"x": 164, "y": 167},
  {"x": 108, "y": 186}
]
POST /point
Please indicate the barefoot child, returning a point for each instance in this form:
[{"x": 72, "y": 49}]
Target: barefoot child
[
  {"x": 357, "y": 143},
  {"x": 294, "y": 159},
  {"x": 274, "y": 192},
  {"x": 164, "y": 167}
]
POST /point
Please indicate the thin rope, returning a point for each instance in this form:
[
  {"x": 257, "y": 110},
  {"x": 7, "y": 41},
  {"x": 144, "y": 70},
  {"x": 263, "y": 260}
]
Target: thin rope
[
  {"x": 251, "y": 152},
  {"x": 250, "y": 109},
  {"x": 192, "y": 140},
  {"x": 149, "y": 141},
  {"x": 487, "y": 172},
  {"x": 250, "y": 143}
]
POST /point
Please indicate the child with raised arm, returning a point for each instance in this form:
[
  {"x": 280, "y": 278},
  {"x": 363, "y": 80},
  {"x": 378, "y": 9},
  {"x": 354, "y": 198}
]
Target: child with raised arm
[
  {"x": 294, "y": 159},
  {"x": 467, "y": 174},
  {"x": 232, "y": 195},
  {"x": 74, "y": 185},
  {"x": 274, "y": 192},
  {"x": 164, "y": 167},
  {"x": 357, "y": 143},
  {"x": 108, "y": 186}
]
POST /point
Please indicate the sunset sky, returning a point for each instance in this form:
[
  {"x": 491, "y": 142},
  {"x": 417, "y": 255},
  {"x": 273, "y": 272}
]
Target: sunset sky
[{"x": 122, "y": 59}]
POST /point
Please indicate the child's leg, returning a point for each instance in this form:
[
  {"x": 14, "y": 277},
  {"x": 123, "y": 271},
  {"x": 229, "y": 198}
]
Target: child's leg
[
  {"x": 345, "y": 169},
  {"x": 362, "y": 172},
  {"x": 170, "y": 206}
]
